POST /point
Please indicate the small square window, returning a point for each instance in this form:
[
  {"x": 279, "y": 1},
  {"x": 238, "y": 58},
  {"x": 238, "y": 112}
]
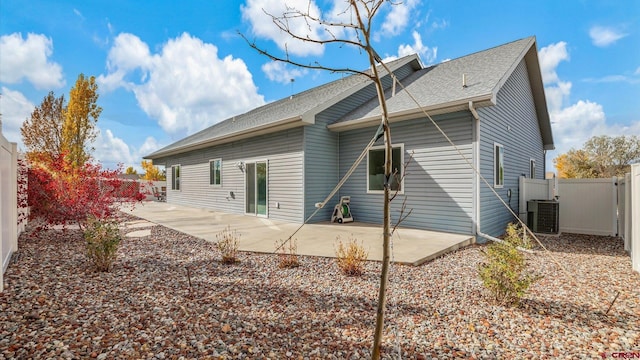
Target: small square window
[
  {"x": 375, "y": 169},
  {"x": 498, "y": 165},
  {"x": 215, "y": 172}
]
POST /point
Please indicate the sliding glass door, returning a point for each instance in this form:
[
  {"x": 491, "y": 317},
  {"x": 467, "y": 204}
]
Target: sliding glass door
[{"x": 256, "y": 188}]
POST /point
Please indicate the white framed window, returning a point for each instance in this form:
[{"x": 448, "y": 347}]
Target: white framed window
[
  {"x": 215, "y": 172},
  {"x": 498, "y": 165},
  {"x": 532, "y": 168},
  {"x": 175, "y": 177},
  {"x": 375, "y": 169}
]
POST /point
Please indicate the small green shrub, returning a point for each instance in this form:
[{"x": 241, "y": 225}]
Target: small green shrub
[
  {"x": 350, "y": 256},
  {"x": 288, "y": 253},
  {"x": 228, "y": 245},
  {"x": 103, "y": 238},
  {"x": 504, "y": 272}
]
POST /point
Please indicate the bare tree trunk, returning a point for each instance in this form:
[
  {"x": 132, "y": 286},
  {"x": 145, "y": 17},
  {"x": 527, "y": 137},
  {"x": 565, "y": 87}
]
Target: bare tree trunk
[
  {"x": 386, "y": 228},
  {"x": 363, "y": 13}
]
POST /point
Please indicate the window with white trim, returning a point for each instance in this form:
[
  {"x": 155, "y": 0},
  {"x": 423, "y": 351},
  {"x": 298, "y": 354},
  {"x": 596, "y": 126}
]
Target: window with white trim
[
  {"x": 532, "y": 168},
  {"x": 215, "y": 172},
  {"x": 375, "y": 169},
  {"x": 175, "y": 177},
  {"x": 498, "y": 165}
]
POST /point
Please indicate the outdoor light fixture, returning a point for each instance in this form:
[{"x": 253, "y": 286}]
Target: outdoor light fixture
[{"x": 240, "y": 165}]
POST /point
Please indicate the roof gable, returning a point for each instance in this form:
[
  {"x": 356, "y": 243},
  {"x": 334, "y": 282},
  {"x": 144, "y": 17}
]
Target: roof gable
[{"x": 440, "y": 88}]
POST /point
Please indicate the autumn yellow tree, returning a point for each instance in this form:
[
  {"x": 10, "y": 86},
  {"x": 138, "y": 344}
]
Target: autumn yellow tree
[
  {"x": 131, "y": 171},
  {"x": 152, "y": 173},
  {"x": 42, "y": 131},
  {"x": 601, "y": 157},
  {"x": 81, "y": 116},
  {"x": 55, "y": 128},
  {"x": 574, "y": 164}
]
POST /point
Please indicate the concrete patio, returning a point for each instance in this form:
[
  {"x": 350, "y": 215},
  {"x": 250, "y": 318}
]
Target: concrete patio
[{"x": 410, "y": 246}]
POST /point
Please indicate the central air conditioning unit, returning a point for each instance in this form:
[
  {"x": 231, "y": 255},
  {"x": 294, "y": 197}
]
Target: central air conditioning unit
[{"x": 543, "y": 216}]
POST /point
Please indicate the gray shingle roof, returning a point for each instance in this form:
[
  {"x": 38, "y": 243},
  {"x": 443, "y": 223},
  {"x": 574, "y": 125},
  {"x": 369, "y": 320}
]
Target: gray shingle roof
[
  {"x": 291, "y": 107},
  {"x": 442, "y": 84}
]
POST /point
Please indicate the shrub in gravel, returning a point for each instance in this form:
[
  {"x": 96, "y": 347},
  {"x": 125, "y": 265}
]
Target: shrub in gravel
[
  {"x": 103, "y": 238},
  {"x": 504, "y": 272},
  {"x": 350, "y": 256},
  {"x": 228, "y": 245},
  {"x": 288, "y": 253}
]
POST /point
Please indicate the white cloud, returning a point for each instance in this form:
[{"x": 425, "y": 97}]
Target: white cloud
[
  {"x": 259, "y": 14},
  {"x": 550, "y": 57},
  {"x": 427, "y": 54},
  {"x": 185, "y": 86},
  {"x": 15, "y": 109},
  {"x": 572, "y": 124},
  {"x": 556, "y": 91},
  {"x": 557, "y": 94},
  {"x": 111, "y": 150},
  {"x": 29, "y": 59},
  {"x": 439, "y": 24},
  {"x": 150, "y": 145},
  {"x": 128, "y": 54},
  {"x": 613, "y": 79},
  {"x": 397, "y": 19},
  {"x": 604, "y": 36},
  {"x": 78, "y": 13},
  {"x": 279, "y": 72},
  {"x": 630, "y": 77}
]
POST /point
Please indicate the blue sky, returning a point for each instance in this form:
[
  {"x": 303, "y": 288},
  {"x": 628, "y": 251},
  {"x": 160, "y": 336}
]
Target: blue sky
[{"x": 167, "y": 69}]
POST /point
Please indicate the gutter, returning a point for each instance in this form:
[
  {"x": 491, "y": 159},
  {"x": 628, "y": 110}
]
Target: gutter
[
  {"x": 238, "y": 135},
  {"x": 457, "y": 105},
  {"x": 476, "y": 164}
]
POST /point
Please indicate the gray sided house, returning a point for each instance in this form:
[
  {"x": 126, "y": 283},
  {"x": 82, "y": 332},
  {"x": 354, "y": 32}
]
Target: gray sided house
[{"x": 279, "y": 160}]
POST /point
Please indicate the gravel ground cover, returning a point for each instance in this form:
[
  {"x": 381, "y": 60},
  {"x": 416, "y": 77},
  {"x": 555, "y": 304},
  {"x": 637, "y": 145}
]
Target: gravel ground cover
[{"x": 168, "y": 297}]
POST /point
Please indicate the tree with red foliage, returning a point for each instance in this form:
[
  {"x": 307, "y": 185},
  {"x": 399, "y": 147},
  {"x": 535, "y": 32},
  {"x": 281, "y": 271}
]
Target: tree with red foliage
[{"x": 60, "y": 192}]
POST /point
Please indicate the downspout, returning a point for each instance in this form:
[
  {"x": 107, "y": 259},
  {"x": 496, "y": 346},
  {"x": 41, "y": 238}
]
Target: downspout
[
  {"x": 476, "y": 164},
  {"x": 476, "y": 174}
]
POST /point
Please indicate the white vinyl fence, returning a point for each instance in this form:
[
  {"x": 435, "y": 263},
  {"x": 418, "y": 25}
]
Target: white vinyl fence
[
  {"x": 632, "y": 216},
  {"x": 588, "y": 206},
  {"x": 8, "y": 204},
  {"x": 535, "y": 189},
  {"x": 593, "y": 206}
]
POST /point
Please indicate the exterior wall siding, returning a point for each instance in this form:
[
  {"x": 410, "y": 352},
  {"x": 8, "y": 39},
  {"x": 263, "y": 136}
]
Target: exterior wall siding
[
  {"x": 512, "y": 123},
  {"x": 320, "y": 166},
  {"x": 284, "y": 154},
  {"x": 438, "y": 186},
  {"x": 322, "y": 149}
]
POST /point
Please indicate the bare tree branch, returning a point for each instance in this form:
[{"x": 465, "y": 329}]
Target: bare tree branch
[
  {"x": 403, "y": 216},
  {"x": 282, "y": 22},
  {"x": 400, "y": 179},
  {"x": 288, "y": 60}
]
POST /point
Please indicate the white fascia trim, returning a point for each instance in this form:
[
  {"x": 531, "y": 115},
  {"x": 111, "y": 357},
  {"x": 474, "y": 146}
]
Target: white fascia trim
[
  {"x": 458, "y": 105},
  {"x": 239, "y": 135}
]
